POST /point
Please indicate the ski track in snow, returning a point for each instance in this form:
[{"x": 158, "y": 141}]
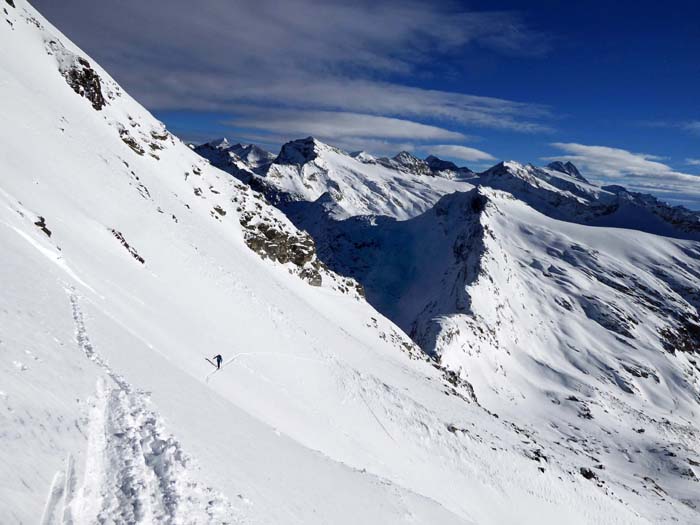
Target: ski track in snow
[
  {"x": 135, "y": 472},
  {"x": 253, "y": 354}
]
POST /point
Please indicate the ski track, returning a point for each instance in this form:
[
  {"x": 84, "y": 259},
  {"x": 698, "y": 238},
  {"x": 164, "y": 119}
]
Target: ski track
[
  {"x": 135, "y": 471},
  {"x": 253, "y": 354}
]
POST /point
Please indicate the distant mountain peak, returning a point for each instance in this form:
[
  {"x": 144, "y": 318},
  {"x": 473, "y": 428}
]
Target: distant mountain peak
[
  {"x": 221, "y": 143},
  {"x": 405, "y": 161},
  {"x": 363, "y": 156},
  {"x": 301, "y": 151},
  {"x": 437, "y": 164},
  {"x": 566, "y": 167},
  {"x": 405, "y": 156}
]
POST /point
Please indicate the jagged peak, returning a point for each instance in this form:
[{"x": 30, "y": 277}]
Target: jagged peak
[
  {"x": 301, "y": 151},
  {"x": 221, "y": 143},
  {"x": 363, "y": 156},
  {"x": 566, "y": 167},
  {"x": 405, "y": 156},
  {"x": 506, "y": 167},
  {"x": 407, "y": 162},
  {"x": 438, "y": 164}
]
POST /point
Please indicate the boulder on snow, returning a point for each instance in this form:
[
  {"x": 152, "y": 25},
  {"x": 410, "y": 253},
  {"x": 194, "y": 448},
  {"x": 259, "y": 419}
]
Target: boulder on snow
[{"x": 79, "y": 74}]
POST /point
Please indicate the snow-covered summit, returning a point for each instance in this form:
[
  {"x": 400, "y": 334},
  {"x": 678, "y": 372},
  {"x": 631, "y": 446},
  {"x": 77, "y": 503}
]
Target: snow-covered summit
[
  {"x": 363, "y": 156},
  {"x": 437, "y": 164},
  {"x": 301, "y": 151},
  {"x": 220, "y": 143},
  {"x": 406, "y": 162}
]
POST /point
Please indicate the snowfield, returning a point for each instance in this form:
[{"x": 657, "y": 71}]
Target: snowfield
[{"x": 128, "y": 259}]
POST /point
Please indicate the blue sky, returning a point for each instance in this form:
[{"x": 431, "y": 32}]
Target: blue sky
[{"x": 614, "y": 88}]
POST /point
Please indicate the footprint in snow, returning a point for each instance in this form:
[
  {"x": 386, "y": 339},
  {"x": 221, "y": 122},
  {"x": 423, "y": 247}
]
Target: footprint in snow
[{"x": 20, "y": 366}]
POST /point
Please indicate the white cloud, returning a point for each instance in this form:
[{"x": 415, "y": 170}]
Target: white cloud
[
  {"x": 458, "y": 152},
  {"x": 638, "y": 171},
  {"x": 692, "y": 126},
  {"x": 340, "y": 125},
  {"x": 692, "y": 162},
  {"x": 301, "y": 54}
]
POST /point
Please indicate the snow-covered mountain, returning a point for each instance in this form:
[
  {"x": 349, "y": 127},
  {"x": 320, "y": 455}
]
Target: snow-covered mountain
[
  {"x": 221, "y": 153},
  {"x": 558, "y": 300},
  {"x": 128, "y": 259},
  {"x": 308, "y": 170}
]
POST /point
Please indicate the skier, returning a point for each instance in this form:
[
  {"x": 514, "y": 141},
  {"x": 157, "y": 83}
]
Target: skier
[{"x": 218, "y": 360}]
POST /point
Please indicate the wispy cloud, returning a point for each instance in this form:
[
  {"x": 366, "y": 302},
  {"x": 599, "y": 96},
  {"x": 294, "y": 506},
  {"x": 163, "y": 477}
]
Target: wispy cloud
[
  {"x": 692, "y": 162},
  {"x": 691, "y": 126},
  {"x": 339, "y": 125},
  {"x": 638, "y": 171},
  {"x": 458, "y": 152},
  {"x": 353, "y": 58}
]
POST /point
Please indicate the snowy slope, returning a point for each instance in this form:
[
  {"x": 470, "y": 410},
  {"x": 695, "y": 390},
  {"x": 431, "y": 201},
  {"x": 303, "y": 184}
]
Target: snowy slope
[
  {"x": 587, "y": 335},
  {"x": 570, "y": 308},
  {"x": 127, "y": 259}
]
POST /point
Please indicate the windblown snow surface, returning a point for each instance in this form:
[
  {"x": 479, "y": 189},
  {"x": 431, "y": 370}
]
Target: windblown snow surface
[{"x": 127, "y": 260}]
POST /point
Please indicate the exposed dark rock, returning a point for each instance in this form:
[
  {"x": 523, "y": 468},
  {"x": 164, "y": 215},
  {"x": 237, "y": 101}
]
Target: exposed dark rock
[
  {"x": 11, "y": 3},
  {"x": 312, "y": 276},
  {"x": 437, "y": 164},
  {"x": 404, "y": 161},
  {"x": 685, "y": 338},
  {"x": 536, "y": 455},
  {"x": 462, "y": 387},
  {"x": 131, "y": 141},
  {"x": 585, "y": 412},
  {"x": 639, "y": 371},
  {"x": 298, "y": 151},
  {"x": 160, "y": 135},
  {"x": 41, "y": 223},
  {"x": 566, "y": 167},
  {"x": 272, "y": 242},
  {"x": 126, "y": 245},
  {"x": 588, "y": 473},
  {"x": 218, "y": 209},
  {"x": 86, "y": 82}
]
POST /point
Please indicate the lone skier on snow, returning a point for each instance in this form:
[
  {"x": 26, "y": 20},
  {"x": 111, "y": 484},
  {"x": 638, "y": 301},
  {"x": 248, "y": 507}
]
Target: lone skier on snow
[{"x": 218, "y": 360}]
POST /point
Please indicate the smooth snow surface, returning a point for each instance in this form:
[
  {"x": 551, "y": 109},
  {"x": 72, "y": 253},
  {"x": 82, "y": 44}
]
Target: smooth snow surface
[{"x": 126, "y": 263}]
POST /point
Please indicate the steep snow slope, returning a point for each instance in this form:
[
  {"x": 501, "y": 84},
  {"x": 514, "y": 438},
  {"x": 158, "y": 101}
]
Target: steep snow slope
[
  {"x": 589, "y": 334},
  {"x": 567, "y": 306},
  {"x": 127, "y": 259}
]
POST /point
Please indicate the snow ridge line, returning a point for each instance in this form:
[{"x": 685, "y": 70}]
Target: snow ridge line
[{"x": 135, "y": 471}]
